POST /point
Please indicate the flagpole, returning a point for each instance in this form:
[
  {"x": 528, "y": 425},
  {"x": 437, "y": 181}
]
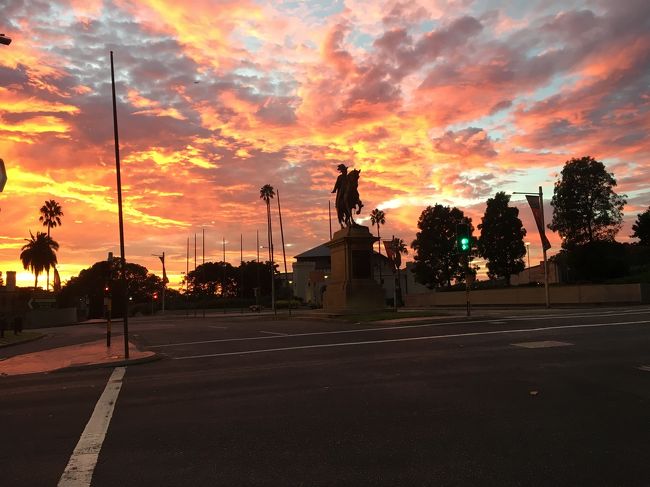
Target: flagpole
[
  {"x": 530, "y": 197},
  {"x": 546, "y": 292}
]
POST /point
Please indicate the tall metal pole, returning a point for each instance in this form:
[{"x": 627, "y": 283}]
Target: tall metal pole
[
  {"x": 241, "y": 270},
  {"x": 203, "y": 264},
  {"x": 164, "y": 283},
  {"x": 223, "y": 282},
  {"x": 284, "y": 254},
  {"x": 271, "y": 257},
  {"x": 121, "y": 219},
  {"x": 187, "y": 279},
  {"x": 329, "y": 212},
  {"x": 259, "y": 284},
  {"x": 546, "y": 292}
]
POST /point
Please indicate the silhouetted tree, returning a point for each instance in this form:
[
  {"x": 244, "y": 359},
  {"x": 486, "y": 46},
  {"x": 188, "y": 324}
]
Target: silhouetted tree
[
  {"x": 378, "y": 217},
  {"x": 436, "y": 260},
  {"x": 641, "y": 228},
  {"x": 585, "y": 206},
  {"x": 90, "y": 283},
  {"x": 502, "y": 238},
  {"x": 51, "y": 214},
  {"x": 39, "y": 254}
]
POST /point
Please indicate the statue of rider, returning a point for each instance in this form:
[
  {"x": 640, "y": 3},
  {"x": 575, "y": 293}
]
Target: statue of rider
[{"x": 339, "y": 189}]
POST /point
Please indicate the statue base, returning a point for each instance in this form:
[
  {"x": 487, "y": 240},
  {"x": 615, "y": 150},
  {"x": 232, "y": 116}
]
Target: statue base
[{"x": 351, "y": 288}]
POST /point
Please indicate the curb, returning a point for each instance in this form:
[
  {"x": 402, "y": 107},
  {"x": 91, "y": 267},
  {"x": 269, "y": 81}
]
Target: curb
[
  {"x": 29, "y": 340},
  {"x": 117, "y": 363}
]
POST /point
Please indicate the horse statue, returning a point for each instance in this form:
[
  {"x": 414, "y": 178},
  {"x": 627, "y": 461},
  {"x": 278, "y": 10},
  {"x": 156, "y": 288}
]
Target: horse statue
[{"x": 347, "y": 196}]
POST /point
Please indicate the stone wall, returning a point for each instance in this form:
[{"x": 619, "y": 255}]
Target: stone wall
[{"x": 579, "y": 294}]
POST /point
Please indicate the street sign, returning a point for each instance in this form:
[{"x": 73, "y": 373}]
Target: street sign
[
  {"x": 35, "y": 303},
  {"x": 3, "y": 175}
]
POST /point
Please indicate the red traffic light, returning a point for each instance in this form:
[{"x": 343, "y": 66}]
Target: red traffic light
[{"x": 155, "y": 296}]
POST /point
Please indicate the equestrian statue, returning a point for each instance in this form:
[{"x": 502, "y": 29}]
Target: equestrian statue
[{"x": 347, "y": 196}]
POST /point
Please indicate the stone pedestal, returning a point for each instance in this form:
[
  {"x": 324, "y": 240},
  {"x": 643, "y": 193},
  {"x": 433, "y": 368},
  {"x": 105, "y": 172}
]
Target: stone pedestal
[{"x": 350, "y": 287}]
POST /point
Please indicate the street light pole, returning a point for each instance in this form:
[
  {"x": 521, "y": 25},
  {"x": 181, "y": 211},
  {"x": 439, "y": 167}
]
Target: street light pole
[
  {"x": 121, "y": 219},
  {"x": 528, "y": 254}
]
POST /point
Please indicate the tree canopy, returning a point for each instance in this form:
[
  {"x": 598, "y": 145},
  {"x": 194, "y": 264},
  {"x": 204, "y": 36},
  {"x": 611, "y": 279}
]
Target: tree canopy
[
  {"x": 585, "y": 206},
  {"x": 39, "y": 254},
  {"x": 90, "y": 283},
  {"x": 641, "y": 228},
  {"x": 436, "y": 260},
  {"x": 502, "y": 238}
]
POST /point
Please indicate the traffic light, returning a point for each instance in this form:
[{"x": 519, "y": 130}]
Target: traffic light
[
  {"x": 155, "y": 296},
  {"x": 463, "y": 238},
  {"x": 107, "y": 290}
]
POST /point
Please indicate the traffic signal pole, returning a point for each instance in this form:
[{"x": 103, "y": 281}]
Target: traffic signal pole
[{"x": 467, "y": 296}]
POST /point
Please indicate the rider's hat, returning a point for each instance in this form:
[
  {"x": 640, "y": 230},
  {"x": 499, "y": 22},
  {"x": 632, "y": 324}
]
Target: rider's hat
[{"x": 341, "y": 167}]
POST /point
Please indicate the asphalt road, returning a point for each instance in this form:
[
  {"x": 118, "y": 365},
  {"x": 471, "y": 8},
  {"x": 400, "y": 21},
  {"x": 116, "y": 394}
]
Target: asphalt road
[{"x": 528, "y": 398}]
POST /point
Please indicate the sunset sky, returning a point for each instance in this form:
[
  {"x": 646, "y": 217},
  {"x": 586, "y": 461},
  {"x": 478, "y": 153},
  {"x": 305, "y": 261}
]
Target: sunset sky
[{"x": 435, "y": 101}]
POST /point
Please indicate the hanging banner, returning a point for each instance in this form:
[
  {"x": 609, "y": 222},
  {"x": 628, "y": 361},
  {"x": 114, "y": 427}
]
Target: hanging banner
[
  {"x": 162, "y": 259},
  {"x": 534, "y": 203},
  {"x": 388, "y": 246}
]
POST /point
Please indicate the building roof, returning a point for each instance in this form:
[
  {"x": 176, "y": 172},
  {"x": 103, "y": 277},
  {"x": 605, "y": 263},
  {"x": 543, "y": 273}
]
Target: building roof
[
  {"x": 323, "y": 251},
  {"x": 320, "y": 251}
]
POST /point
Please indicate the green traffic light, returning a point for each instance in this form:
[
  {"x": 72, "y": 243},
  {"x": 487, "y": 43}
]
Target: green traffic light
[{"x": 464, "y": 244}]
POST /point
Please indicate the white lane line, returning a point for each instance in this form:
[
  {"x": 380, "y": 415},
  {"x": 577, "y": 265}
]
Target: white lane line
[
  {"x": 362, "y": 330},
  {"x": 80, "y": 468},
  {"x": 645, "y": 368},
  {"x": 411, "y": 339},
  {"x": 275, "y": 333},
  {"x": 542, "y": 344}
]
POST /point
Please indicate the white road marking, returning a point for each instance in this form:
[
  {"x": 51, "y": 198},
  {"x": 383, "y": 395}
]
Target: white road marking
[
  {"x": 411, "y": 339},
  {"x": 542, "y": 344},
  {"x": 645, "y": 368},
  {"x": 385, "y": 328},
  {"x": 274, "y": 333},
  {"x": 218, "y": 327},
  {"x": 80, "y": 468}
]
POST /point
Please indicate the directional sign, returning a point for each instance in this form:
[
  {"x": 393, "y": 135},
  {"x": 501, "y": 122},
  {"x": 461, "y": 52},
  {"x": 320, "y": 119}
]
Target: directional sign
[
  {"x": 34, "y": 303},
  {"x": 3, "y": 175}
]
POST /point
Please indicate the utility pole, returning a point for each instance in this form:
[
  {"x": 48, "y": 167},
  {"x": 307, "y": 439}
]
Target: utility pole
[
  {"x": 120, "y": 213},
  {"x": 284, "y": 254},
  {"x": 164, "y": 279}
]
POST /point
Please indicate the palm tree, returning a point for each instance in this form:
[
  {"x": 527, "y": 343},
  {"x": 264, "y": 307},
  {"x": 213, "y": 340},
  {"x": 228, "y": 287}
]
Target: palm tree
[
  {"x": 266, "y": 193},
  {"x": 378, "y": 217},
  {"x": 51, "y": 214},
  {"x": 39, "y": 254}
]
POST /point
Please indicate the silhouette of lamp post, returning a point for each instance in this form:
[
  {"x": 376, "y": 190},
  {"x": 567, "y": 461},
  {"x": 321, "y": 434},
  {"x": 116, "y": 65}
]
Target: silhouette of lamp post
[{"x": 528, "y": 253}]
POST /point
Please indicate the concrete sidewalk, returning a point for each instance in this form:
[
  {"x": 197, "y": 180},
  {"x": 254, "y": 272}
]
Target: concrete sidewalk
[{"x": 91, "y": 354}]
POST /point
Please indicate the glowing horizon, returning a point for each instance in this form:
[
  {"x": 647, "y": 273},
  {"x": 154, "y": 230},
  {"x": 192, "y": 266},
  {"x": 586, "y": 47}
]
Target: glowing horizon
[{"x": 435, "y": 101}]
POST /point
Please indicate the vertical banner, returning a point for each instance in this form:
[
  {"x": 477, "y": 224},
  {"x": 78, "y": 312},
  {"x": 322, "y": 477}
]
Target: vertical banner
[
  {"x": 534, "y": 203},
  {"x": 388, "y": 246}
]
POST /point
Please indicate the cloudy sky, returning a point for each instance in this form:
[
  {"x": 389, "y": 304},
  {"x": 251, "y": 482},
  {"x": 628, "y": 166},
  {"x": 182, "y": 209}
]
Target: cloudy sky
[{"x": 435, "y": 101}]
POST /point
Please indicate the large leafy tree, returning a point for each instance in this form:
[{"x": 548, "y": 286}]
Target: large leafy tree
[
  {"x": 436, "y": 260},
  {"x": 39, "y": 254},
  {"x": 585, "y": 206},
  {"x": 51, "y": 214},
  {"x": 641, "y": 228},
  {"x": 89, "y": 285},
  {"x": 224, "y": 280},
  {"x": 502, "y": 238}
]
